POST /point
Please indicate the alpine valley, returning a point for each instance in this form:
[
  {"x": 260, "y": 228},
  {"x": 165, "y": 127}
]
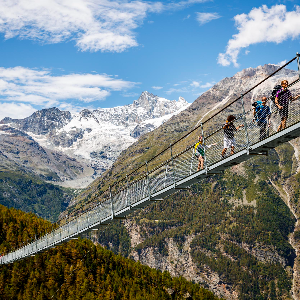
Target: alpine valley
[{"x": 236, "y": 234}]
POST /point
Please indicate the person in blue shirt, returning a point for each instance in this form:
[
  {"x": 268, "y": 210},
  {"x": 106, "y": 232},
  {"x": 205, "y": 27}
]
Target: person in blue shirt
[{"x": 262, "y": 114}]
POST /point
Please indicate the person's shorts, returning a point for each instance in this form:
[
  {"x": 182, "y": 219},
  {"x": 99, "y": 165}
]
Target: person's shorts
[
  {"x": 284, "y": 112},
  {"x": 198, "y": 153},
  {"x": 228, "y": 143}
]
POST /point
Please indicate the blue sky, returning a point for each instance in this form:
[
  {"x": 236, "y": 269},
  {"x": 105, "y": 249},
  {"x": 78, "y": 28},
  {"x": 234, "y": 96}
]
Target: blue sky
[{"x": 99, "y": 53}]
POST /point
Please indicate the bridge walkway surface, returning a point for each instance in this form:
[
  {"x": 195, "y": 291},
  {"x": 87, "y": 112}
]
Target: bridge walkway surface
[{"x": 176, "y": 167}]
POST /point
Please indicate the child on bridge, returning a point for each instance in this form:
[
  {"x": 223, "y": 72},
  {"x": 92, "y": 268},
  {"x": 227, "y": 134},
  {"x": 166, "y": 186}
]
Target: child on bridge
[
  {"x": 229, "y": 129},
  {"x": 200, "y": 152}
]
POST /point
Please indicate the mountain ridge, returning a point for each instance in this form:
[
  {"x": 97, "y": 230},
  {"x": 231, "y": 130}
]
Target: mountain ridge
[{"x": 96, "y": 137}]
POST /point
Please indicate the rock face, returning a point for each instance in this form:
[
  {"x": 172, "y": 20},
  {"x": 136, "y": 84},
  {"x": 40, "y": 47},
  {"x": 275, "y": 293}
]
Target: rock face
[
  {"x": 97, "y": 137},
  {"x": 42, "y": 122},
  {"x": 19, "y": 151}
]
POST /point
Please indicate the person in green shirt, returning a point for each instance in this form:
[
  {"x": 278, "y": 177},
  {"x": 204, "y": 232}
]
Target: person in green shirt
[{"x": 200, "y": 152}]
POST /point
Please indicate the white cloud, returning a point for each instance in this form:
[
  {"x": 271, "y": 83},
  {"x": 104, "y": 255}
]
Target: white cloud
[
  {"x": 130, "y": 95},
  {"x": 172, "y": 90},
  {"x": 157, "y": 87},
  {"x": 263, "y": 24},
  {"x": 247, "y": 52},
  {"x": 40, "y": 87},
  {"x": 190, "y": 87},
  {"x": 203, "y": 18},
  {"x": 15, "y": 110},
  {"x": 282, "y": 63},
  {"x": 73, "y": 108},
  {"x": 195, "y": 84},
  {"x": 105, "y": 25},
  {"x": 207, "y": 85}
]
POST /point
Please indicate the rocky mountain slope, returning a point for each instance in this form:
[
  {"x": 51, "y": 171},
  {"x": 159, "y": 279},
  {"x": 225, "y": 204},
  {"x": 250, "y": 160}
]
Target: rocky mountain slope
[
  {"x": 236, "y": 233},
  {"x": 91, "y": 138}
]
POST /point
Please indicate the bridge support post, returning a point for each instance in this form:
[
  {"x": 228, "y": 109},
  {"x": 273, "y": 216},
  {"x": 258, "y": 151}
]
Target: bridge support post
[
  {"x": 148, "y": 180},
  {"x": 127, "y": 193},
  {"x": 192, "y": 157},
  {"x": 174, "y": 179},
  {"x": 166, "y": 175},
  {"x": 245, "y": 124},
  {"x": 205, "y": 161},
  {"x": 77, "y": 226},
  {"x": 112, "y": 204},
  {"x": 298, "y": 62}
]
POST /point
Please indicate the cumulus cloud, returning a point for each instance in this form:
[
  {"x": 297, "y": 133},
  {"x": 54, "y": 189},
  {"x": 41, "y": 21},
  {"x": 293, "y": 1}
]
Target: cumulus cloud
[
  {"x": 262, "y": 24},
  {"x": 157, "y": 87},
  {"x": 282, "y": 63},
  {"x": 105, "y": 25},
  {"x": 40, "y": 87},
  {"x": 15, "y": 110},
  {"x": 195, "y": 84},
  {"x": 203, "y": 18}
]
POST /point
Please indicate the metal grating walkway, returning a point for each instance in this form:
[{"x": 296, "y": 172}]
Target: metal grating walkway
[{"x": 176, "y": 167}]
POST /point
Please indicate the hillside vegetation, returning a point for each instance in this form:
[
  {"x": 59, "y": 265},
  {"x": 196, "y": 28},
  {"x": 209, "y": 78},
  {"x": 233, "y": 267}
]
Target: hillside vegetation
[
  {"x": 31, "y": 194},
  {"x": 234, "y": 233},
  {"x": 235, "y": 225},
  {"x": 80, "y": 270}
]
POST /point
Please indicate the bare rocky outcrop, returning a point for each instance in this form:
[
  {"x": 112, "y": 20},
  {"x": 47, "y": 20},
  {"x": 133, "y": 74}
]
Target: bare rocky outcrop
[{"x": 178, "y": 262}]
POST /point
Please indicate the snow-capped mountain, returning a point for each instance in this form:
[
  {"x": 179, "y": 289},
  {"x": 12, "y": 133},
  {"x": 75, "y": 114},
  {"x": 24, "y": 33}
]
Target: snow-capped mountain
[{"x": 98, "y": 136}]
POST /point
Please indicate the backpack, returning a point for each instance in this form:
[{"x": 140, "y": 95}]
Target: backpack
[
  {"x": 257, "y": 105},
  {"x": 276, "y": 88}
]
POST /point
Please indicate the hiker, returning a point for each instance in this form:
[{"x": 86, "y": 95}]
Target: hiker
[
  {"x": 200, "y": 152},
  {"x": 229, "y": 129},
  {"x": 262, "y": 114},
  {"x": 282, "y": 100}
]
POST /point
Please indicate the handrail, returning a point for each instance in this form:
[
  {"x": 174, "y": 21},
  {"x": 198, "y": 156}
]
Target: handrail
[{"x": 140, "y": 189}]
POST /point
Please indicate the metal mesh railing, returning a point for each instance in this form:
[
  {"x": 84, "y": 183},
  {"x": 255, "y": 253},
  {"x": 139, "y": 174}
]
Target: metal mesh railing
[{"x": 179, "y": 161}]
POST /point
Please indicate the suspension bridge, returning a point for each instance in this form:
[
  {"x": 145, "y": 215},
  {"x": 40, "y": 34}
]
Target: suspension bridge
[{"x": 176, "y": 167}]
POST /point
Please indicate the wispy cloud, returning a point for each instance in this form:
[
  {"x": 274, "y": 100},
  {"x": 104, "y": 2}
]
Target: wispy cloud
[
  {"x": 40, "y": 87},
  {"x": 262, "y": 24},
  {"x": 182, "y": 90},
  {"x": 203, "y": 18},
  {"x": 105, "y": 25},
  {"x": 207, "y": 85},
  {"x": 128, "y": 95},
  {"x": 157, "y": 87},
  {"x": 190, "y": 87}
]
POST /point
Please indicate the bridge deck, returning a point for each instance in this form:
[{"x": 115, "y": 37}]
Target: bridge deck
[{"x": 175, "y": 168}]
